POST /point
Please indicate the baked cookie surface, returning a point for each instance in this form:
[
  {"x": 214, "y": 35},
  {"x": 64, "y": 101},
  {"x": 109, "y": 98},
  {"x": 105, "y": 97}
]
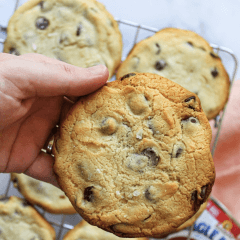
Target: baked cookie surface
[
  {"x": 191, "y": 221},
  {"x": 134, "y": 157},
  {"x": 185, "y": 58},
  {"x": 18, "y": 220},
  {"x": 85, "y": 231},
  {"x": 43, "y": 194},
  {"x": 78, "y": 32}
]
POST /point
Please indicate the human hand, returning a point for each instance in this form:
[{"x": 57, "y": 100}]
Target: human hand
[{"x": 32, "y": 90}]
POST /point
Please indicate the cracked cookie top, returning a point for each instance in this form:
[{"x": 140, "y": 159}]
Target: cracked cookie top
[
  {"x": 19, "y": 220},
  {"x": 134, "y": 157},
  {"x": 185, "y": 58},
  {"x": 78, "y": 32}
]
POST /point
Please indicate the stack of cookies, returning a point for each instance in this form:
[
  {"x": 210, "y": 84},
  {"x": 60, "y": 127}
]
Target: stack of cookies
[{"x": 133, "y": 157}]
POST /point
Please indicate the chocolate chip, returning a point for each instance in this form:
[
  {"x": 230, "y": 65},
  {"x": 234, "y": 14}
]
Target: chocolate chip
[
  {"x": 15, "y": 183},
  {"x": 109, "y": 126},
  {"x": 25, "y": 203},
  {"x": 148, "y": 195},
  {"x": 160, "y": 65},
  {"x": 62, "y": 196},
  {"x": 159, "y": 49},
  {"x": 14, "y": 51},
  {"x": 15, "y": 180},
  {"x": 193, "y": 120},
  {"x": 4, "y": 199},
  {"x": 42, "y": 23},
  {"x": 41, "y": 4},
  {"x": 17, "y": 212},
  {"x": 194, "y": 198},
  {"x": 152, "y": 156},
  {"x": 214, "y": 72},
  {"x": 127, "y": 76},
  {"x": 179, "y": 152},
  {"x": 197, "y": 202},
  {"x": 88, "y": 194},
  {"x": 190, "y": 43},
  {"x": 214, "y": 55},
  {"x": 79, "y": 29},
  {"x": 189, "y": 99},
  {"x": 187, "y": 122}
]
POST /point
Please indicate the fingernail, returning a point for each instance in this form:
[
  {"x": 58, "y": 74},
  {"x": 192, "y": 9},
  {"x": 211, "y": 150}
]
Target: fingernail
[{"x": 97, "y": 70}]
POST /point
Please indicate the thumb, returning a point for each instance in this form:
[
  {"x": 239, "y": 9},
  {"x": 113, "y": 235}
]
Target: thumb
[{"x": 33, "y": 78}]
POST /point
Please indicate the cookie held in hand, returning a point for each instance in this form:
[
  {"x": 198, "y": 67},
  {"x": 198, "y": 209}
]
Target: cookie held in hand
[{"x": 134, "y": 157}]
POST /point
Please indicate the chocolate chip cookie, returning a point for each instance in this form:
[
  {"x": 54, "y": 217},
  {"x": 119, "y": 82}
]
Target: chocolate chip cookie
[
  {"x": 185, "y": 58},
  {"x": 85, "y": 231},
  {"x": 19, "y": 220},
  {"x": 43, "y": 194},
  {"x": 78, "y": 32},
  {"x": 134, "y": 157},
  {"x": 191, "y": 221}
]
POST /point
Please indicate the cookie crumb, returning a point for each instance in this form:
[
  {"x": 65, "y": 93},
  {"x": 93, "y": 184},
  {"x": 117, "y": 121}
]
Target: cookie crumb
[
  {"x": 34, "y": 46},
  {"x": 130, "y": 195},
  {"x": 139, "y": 134},
  {"x": 136, "y": 193}
]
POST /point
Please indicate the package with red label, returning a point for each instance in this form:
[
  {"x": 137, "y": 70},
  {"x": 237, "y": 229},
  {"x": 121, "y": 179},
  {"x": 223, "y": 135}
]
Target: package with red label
[{"x": 215, "y": 223}]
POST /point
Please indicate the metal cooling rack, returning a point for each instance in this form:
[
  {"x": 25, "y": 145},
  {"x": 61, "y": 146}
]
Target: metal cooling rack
[{"x": 133, "y": 33}]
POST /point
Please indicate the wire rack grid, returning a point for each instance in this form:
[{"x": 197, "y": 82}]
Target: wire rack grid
[{"x": 132, "y": 33}]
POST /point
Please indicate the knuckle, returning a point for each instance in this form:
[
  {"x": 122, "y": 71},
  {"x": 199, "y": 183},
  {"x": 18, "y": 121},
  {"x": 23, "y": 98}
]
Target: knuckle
[{"x": 68, "y": 69}]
